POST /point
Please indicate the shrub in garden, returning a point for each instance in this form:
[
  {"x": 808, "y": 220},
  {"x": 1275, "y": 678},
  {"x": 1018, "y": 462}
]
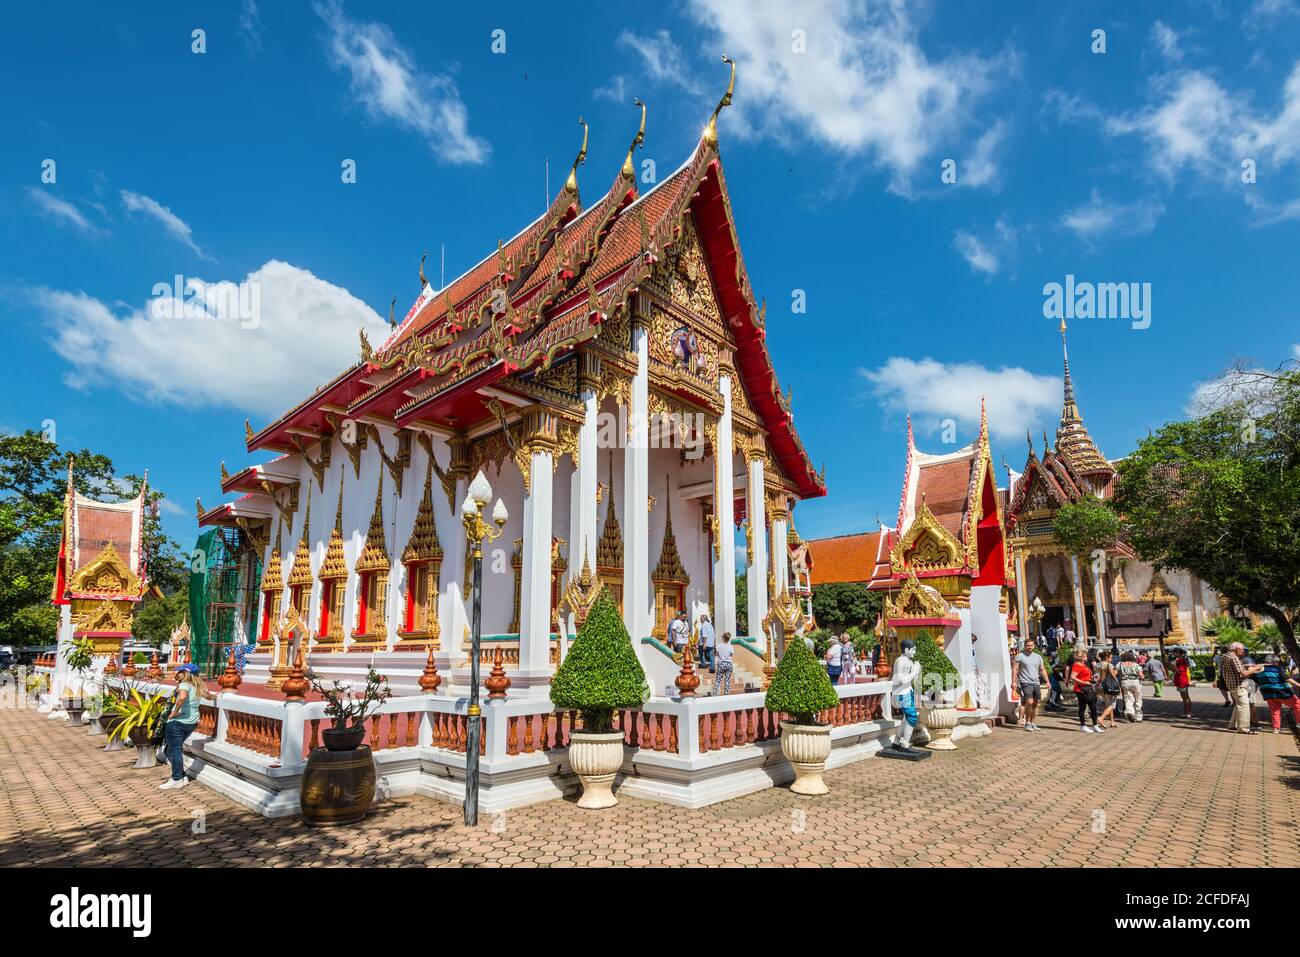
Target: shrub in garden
[
  {"x": 601, "y": 672},
  {"x": 800, "y": 687},
  {"x": 937, "y": 670}
]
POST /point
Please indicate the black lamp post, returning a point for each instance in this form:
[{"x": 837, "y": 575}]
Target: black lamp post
[{"x": 476, "y": 531}]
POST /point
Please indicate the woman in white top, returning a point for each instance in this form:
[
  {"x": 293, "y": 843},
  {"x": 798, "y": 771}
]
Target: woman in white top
[{"x": 722, "y": 657}]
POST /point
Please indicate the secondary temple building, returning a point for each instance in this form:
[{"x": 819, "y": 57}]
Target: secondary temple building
[{"x": 606, "y": 368}]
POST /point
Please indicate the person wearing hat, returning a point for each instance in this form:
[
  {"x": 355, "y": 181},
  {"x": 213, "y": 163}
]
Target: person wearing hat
[{"x": 181, "y": 722}]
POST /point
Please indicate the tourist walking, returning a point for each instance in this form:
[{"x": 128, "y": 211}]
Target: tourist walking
[
  {"x": 679, "y": 632},
  {"x": 722, "y": 677},
  {"x": 1028, "y": 675},
  {"x": 1183, "y": 680},
  {"x": 181, "y": 722},
  {"x": 1234, "y": 672},
  {"x": 1278, "y": 691},
  {"x": 1155, "y": 669},
  {"x": 1108, "y": 686},
  {"x": 1084, "y": 692},
  {"x": 848, "y": 661},
  {"x": 708, "y": 641},
  {"x": 832, "y": 659},
  {"x": 1130, "y": 683}
]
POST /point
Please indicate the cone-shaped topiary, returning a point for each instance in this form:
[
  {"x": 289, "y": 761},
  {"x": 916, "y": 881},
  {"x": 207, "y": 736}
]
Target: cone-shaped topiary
[
  {"x": 601, "y": 671},
  {"x": 800, "y": 687},
  {"x": 938, "y": 673}
]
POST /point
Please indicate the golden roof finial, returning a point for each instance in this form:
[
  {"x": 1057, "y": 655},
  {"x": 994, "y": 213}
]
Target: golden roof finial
[
  {"x": 423, "y": 281},
  {"x": 571, "y": 184},
  {"x": 711, "y": 130},
  {"x": 628, "y": 171}
]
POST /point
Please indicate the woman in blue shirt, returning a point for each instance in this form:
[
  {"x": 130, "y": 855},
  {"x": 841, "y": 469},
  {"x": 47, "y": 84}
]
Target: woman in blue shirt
[{"x": 181, "y": 722}]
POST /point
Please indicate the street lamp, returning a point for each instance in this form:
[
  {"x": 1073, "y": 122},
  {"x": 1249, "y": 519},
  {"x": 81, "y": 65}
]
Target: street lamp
[
  {"x": 476, "y": 530},
  {"x": 1036, "y": 612}
]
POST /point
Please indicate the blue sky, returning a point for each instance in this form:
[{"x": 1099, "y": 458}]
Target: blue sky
[{"x": 1115, "y": 166}]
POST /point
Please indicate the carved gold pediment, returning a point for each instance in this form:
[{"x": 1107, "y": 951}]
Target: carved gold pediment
[
  {"x": 916, "y": 600},
  {"x": 106, "y": 574},
  {"x": 106, "y": 615},
  {"x": 926, "y": 545}
]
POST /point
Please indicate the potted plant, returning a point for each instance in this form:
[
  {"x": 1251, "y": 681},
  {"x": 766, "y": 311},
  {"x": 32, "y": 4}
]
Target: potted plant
[
  {"x": 601, "y": 673},
  {"x": 140, "y": 715},
  {"x": 338, "y": 783},
  {"x": 939, "y": 678},
  {"x": 80, "y": 655},
  {"x": 801, "y": 690}
]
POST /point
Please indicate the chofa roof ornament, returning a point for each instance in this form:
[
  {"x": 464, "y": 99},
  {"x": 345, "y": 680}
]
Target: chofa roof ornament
[{"x": 711, "y": 129}]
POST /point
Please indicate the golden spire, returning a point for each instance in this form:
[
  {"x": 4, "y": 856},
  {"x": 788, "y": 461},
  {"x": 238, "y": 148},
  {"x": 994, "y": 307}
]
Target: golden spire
[
  {"x": 571, "y": 184},
  {"x": 609, "y": 550},
  {"x": 375, "y": 553},
  {"x": 1072, "y": 438},
  {"x": 629, "y": 171},
  {"x": 271, "y": 580},
  {"x": 670, "y": 567},
  {"x": 423, "y": 544},
  {"x": 711, "y": 129},
  {"x": 300, "y": 574},
  {"x": 335, "y": 564}
]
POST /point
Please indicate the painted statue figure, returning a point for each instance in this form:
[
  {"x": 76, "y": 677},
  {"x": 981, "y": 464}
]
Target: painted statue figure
[{"x": 906, "y": 670}]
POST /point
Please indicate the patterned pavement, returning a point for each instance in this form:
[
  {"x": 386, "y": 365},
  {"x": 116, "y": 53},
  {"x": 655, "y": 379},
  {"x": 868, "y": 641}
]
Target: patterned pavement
[{"x": 1167, "y": 792}]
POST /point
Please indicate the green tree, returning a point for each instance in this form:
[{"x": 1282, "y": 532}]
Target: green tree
[
  {"x": 1087, "y": 525},
  {"x": 156, "y": 617},
  {"x": 1220, "y": 495},
  {"x": 601, "y": 671},
  {"x": 742, "y": 607},
  {"x": 839, "y": 605},
  {"x": 33, "y": 480}
]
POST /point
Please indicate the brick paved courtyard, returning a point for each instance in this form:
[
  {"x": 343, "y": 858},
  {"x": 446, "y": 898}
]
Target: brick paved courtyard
[{"x": 1167, "y": 792}]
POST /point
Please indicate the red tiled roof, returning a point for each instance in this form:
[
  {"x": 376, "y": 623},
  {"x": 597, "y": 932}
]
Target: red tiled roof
[
  {"x": 945, "y": 486},
  {"x": 844, "y": 558}
]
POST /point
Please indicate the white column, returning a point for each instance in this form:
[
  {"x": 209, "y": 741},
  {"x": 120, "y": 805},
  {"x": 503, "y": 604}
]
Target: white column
[
  {"x": 636, "y": 491},
  {"x": 1022, "y": 599},
  {"x": 535, "y": 583},
  {"x": 1076, "y": 593},
  {"x": 781, "y": 549},
  {"x": 724, "y": 492},
  {"x": 756, "y": 578},
  {"x": 583, "y": 530},
  {"x": 1097, "y": 598},
  {"x": 452, "y": 614}
]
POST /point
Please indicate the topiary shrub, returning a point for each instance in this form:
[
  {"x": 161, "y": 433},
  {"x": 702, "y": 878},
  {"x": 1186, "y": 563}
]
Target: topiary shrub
[
  {"x": 938, "y": 673},
  {"x": 601, "y": 671},
  {"x": 800, "y": 687}
]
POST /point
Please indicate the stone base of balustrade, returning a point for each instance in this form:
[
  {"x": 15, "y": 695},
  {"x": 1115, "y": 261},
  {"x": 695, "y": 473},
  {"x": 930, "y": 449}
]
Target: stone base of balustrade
[
  {"x": 734, "y": 772},
  {"x": 972, "y": 726},
  {"x": 251, "y": 780}
]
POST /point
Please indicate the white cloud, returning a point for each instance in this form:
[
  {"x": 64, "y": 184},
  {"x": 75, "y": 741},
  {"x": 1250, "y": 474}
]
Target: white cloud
[
  {"x": 615, "y": 91},
  {"x": 305, "y": 335},
  {"x": 979, "y": 256},
  {"x": 981, "y": 167},
  {"x": 931, "y": 391},
  {"x": 250, "y": 27},
  {"x": 176, "y": 227},
  {"x": 1253, "y": 387},
  {"x": 387, "y": 82},
  {"x": 662, "y": 58},
  {"x": 1166, "y": 39},
  {"x": 1098, "y": 217},
  {"x": 864, "y": 86},
  {"x": 62, "y": 211}
]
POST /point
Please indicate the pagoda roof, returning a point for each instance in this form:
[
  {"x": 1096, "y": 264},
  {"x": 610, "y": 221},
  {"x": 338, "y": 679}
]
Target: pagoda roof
[
  {"x": 563, "y": 275},
  {"x": 845, "y": 558},
  {"x": 95, "y": 535}
]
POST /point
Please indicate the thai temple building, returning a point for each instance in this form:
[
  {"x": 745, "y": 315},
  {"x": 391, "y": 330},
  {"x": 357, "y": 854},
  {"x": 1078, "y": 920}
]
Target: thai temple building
[
  {"x": 945, "y": 568},
  {"x": 101, "y": 573},
  {"x": 606, "y": 368},
  {"x": 1115, "y": 596}
]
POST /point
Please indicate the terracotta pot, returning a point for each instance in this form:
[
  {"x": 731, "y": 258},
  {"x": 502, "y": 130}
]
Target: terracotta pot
[
  {"x": 806, "y": 747},
  {"x": 595, "y": 759},
  {"x": 346, "y": 739},
  {"x": 338, "y": 786}
]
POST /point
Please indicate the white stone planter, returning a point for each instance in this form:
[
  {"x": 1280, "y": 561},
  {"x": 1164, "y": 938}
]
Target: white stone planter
[
  {"x": 595, "y": 759},
  {"x": 806, "y": 747},
  {"x": 940, "y": 717}
]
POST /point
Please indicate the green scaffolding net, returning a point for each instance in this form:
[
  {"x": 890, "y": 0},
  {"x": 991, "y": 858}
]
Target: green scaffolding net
[{"x": 221, "y": 590}]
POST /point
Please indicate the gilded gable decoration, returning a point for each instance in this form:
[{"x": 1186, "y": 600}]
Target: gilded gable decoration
[
  {"x": 106, "y": 574},
  {"x": 374, "y": 556},
  {"x": 916, "y": 600},
  {"x": 335, "y": 563},
  {"x": 300, "y": 572},
  {"x": 926, "y": 545},
  {"x": 423, "y": 544}
]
